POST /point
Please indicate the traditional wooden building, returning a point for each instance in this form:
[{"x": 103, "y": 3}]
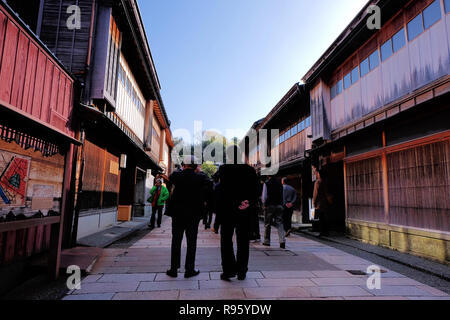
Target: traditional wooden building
[
  {"x": 123, "y": 124},
  {"x": 380, "y": 112},
  {"x": 291, "y": 117},
  {"x": 37, "y": 143}
]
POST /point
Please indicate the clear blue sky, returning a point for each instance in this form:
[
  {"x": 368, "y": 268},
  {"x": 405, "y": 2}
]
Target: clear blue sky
[{"x": 228, "y": 62}]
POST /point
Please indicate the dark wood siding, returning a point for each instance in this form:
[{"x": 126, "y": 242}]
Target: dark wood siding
[
  {"x": 70, "y": 46},
  {"x": 101, "y": 178},
  {"x": 410, "y": 189},
  {"x": 365, "y": 190},
  {"x": 419, "y": 186}
]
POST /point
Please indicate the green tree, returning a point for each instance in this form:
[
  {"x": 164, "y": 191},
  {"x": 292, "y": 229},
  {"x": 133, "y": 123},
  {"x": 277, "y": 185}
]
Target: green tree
[{"x": 209, "y": 168}]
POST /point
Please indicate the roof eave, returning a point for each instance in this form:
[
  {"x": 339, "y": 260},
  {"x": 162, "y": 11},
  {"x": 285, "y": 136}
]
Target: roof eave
[{"x": 355, "y": 25}]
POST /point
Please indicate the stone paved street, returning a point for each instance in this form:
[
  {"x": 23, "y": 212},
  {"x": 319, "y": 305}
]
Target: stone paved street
[{"x": 306, "y": 270}]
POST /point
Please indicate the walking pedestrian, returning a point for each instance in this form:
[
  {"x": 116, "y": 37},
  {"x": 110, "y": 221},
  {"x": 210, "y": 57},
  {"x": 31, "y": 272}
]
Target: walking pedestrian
[
  {"x": 237, "y": 201},
  {"x": 322, "y": 201},
  {"x": 209, "y": 198},
  {"x": 158, "y": 197},
  {"x": 273, "y": 202},
  {"x": 289, "y": 199},
  {"x": 188, "y": 200}
]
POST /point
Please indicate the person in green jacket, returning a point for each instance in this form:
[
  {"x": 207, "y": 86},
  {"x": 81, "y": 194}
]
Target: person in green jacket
[{"x": 158, "y": 197}]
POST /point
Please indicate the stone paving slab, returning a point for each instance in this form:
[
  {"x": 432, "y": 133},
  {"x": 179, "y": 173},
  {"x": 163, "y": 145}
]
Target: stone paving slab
[
  {"x": 387, "y": 298},
  {"x": 219, "y": 284},
  {"x": 92, "y": 278},
  {"x": 213, "y": 294},
  {"x": 332, "y": 274},
  {"x": 277, "y": 292},
  {"x": 404, "y": 291},
  {"x": 250, "y": 275},
  {"x": 110, "y": 270},
  {"x": 287, "y": 275},
  {"x": 429, "y": 298},
  {"x": 107, "y": 287},
  {"x": 168, "y": 285},
  {"x": 400, "y": 282},
  {"x": 164, "y": 277},
  {"x": 147, "y": 296},
  {"x": 432, "y": 291},
  {"x": 339, "y": 281},
  {"x": 285, "y": 283},
  {"x": 306, "y": 270},
  {"x": 338, "y": 291},
  {"x": 90, "y": 297},
  {"x": 117, "y": 278}
]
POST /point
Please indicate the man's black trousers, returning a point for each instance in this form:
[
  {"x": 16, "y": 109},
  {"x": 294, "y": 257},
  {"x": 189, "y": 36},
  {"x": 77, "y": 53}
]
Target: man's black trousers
[
  {"x": 179, "y": 227},
  {"x": 231, "y": 264}
]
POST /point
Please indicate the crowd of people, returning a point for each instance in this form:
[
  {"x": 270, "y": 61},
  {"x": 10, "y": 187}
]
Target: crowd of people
[{"x": 235, "y": 196}]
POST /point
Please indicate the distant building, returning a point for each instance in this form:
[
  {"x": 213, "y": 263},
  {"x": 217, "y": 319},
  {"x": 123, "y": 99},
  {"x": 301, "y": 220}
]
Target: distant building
[{"x": 291, "y": 117}]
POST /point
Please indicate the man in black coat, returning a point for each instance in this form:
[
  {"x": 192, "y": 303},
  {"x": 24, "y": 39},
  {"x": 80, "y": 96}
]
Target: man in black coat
[
  {"x": 237, "y": 202},
  {"x": 272, "y": 198},
  {"x": 188, "y": 201}
]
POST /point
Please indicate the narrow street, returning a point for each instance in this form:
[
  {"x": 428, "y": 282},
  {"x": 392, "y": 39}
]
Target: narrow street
[{"x": 306, "y": 270}]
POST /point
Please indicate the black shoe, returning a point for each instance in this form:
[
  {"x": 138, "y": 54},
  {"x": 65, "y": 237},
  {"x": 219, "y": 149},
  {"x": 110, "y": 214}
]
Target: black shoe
[
  {"x": 242, "y": 276},
  {"x": 283, "y": 245},
  {"x": 172, "y": 273},
  {"x": 190, "y": 274},
  {"x": 159, "y": 226},
  {"x": 226, "y": 277},
  {"x": 151, "y": 227},
  {"x": 266, "y": 244}
]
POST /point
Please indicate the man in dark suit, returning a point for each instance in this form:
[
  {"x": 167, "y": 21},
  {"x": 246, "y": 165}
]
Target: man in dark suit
[
  {"x": 188, "y": 201},
  {"x": 237, "y": 202}
]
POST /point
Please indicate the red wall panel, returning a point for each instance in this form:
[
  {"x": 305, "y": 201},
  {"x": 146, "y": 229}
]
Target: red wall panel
[
  {"x": 61, "y": 89},
  {"x": 67, "y": 98},
  {"x": 55, "y": 89},
  {"x": 8, "y": 61},
  {"x": 39, "y": 85},
  {"x": 19, "y": 71},
  {"x": 45, "y": 109},
  {"x": 3, "y": 21},
  {"x": 29, "y": 78}
]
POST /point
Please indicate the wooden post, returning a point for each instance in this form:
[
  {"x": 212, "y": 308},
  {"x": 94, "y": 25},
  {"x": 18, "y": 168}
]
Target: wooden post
[
  {"x": 54, "y": 259},
  {"x": 103, "y": 179},
  {"x": 148, "y": 124},
  {"x": 345, "y": 185},
  {"x": 385, "y": 181},
  {"x": 161, "y": 146}
]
